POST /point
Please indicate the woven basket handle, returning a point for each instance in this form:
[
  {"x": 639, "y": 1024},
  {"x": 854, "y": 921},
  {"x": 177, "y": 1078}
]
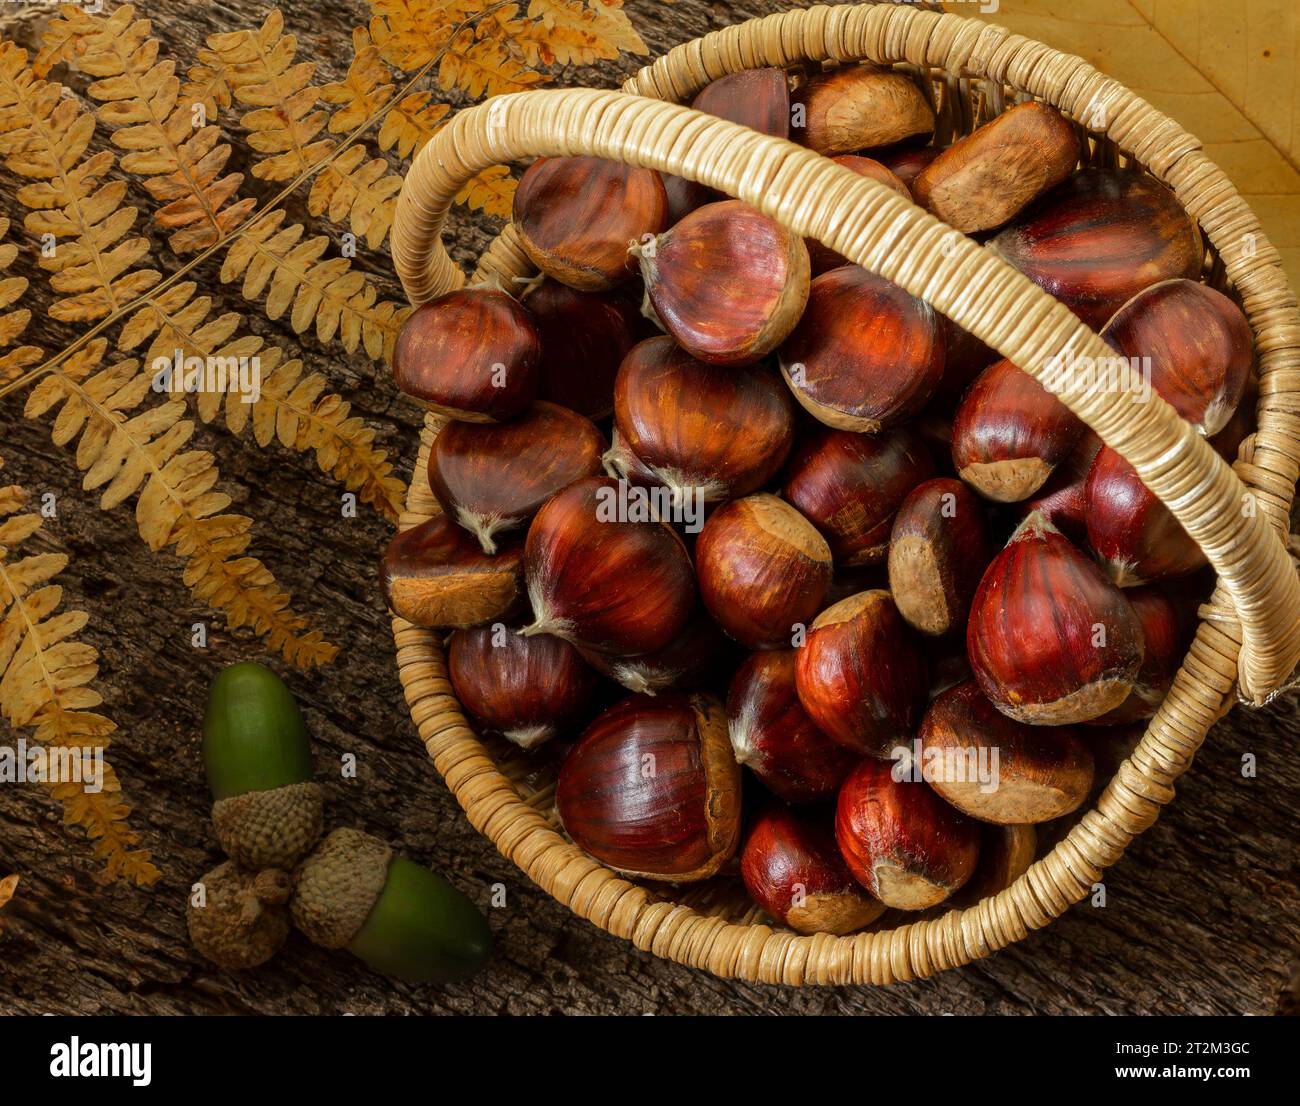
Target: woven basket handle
[{"x": 875, "y": 227}]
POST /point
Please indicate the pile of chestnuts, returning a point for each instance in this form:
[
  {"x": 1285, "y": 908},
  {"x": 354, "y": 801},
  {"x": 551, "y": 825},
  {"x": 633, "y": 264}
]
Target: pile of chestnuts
[{"x": 786, "y": 575}]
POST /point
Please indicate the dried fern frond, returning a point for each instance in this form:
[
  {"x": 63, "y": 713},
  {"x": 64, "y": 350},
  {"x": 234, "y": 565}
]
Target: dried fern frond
[
  {"x": 362, "y": 193},
  {"x": 411, "y": 122},
  {"x": 367, "y": 87},
  {"x": 65, "y": 38},
  {"x": 13, "y": 323},
  {"x": 578, "y": 32},
  {"x": 491, "y": 191},
  {"x": 45, "y": 678}
]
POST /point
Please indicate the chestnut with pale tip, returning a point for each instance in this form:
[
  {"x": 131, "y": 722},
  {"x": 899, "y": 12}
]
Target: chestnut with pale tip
[
  {"x": 793, "y": 869},
  {"x": 1166, "y": 635},
  {"x": 1062, "y": 497},
  {"x": 861, "y": 674},
  {"x": 1050, "y": 639},
  {"x": 471, "y": 355},
  {"x": 1021, "y": 774},
  {"x": 611, "y": 583},
  {"x": 494, "y": 478},
  {"x": 823, "y": 258},
  {"x": 685, "y": 664},
  {"x": 651, "y": 789},
  {"x": 576, "y": 215},
  {"x": 726, "y": 282},
  {"x": 773, "y": 736},
  {"x": 859, "y": 106},
  {"x": 865, "y": 355},
  {"x": 763, "y": 570},
  {"x": 902, "y": 842}
]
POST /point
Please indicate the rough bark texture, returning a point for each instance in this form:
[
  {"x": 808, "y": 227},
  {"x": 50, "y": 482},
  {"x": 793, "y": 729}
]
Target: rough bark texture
[{"x": 1201, "y": 917}]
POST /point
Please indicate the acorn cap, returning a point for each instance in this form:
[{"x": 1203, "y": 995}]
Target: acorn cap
[
  {"x": 338, "y": 885},
  {"x": 254, "y": 736},
  {"x": 270, "y": 829},
  {"x": 243, "y": 921}
]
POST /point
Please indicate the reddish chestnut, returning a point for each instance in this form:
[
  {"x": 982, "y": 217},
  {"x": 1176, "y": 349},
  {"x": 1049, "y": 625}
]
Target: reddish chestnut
[
  {"x": 1050, "y": 639},
  {"x": 793, "y": 869},
  {"x": 494, "y": 478},
  {"x": 723, "y": 432},
  {"x": 1099, "y": 238},
  {"x": 865, "y": 354},
  {"x": 684, "y": 664},
  {"x": 652, "y": 790},
  {"x": 435, "y": 575},
  {"x": 576, "y": 216},
  {"x": 1006, "y": 852},
  {"x": 527, "y": 689},
  {"x": 823, "y": 258},
  {"x": 965, "y": 357},
  {"x": 772, "y": 735},
  {"x": 763, "y": 570},
  {"x": 861, "y": 675},
  {"x": 859, "y": 106},
  {"x": 938, "y": 550},
  {"x": 1010, "y": 433},
  {"x": 850, "y": 486},
  {"x": 1062, "y": 498},
  {"x": 1166, "y": 635},
  {"x": 901, "y": 841},
  {"x": 472, "y": 354},
  {"x": 906, "y": 161},
  {"x": 726, "y": 282},
  {"x": 603, "y": 579}
]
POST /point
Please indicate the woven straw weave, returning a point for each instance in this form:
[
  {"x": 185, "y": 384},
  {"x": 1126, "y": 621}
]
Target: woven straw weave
[{"x": 1249, "y": 640}]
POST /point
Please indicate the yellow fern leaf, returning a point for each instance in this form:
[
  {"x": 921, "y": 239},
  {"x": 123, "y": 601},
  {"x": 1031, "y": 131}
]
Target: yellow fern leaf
[
  {"x": 65, "y": 38},
  {"x": 367, "y": 87},
  {"x": 410, "y": 123},
  {"x": 8, "y": 886},
  {"x": 578, "y": 32},
  {"x": 12, "y": 323},
  {"x": 363, "y": 194},
  {"x": 491, "y": 191}
]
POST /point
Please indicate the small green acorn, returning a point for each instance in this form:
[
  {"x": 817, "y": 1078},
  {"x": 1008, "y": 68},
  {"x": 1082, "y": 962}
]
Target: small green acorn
[
  {"x": 267, "y": 811},
  {"x": 400, "y": 918}
]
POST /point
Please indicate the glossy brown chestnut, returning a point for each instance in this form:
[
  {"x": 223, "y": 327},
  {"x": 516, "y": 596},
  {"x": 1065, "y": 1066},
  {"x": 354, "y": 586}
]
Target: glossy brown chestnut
[
  {"x": 865, "y": 354},
  {"x": 699, "y": 428},
  {"x": 850, "y": 486},
  {"x": 793, "y": 869},
  {"x": 494, "y": 478},
  {"x": 984, "y": 179},
  {"x": 652, "y": 790},
  {"x": 472, "y": 354},
  {"x": 576, "y": 215},
  {"x": 585, "y": 336},
  {"x": 823, "y": 258},
  {"x": 601, "y": 576},
  {"x": 763, "y": 570},
  {"x": 1166, "y": 634},
  {"x": 1006, "y": 852},
  {"x": 527, "y": 689},
  {"x": 726, "y": 282},
  {"x": 1062, "y": 498},
  {"x": 1135, "y": 536},
  {"x": 772, "y": 735},
  {"x": 859, "y": 106},
  {"x": 1196, "y": 343},
  {"x": 861, "y": 675},
  {"x": 965, "y": 357},
  {"x": 938, "y": 550},
  {"x": 1050, "y": 639},
  {"x": 901, "y": 841},
  {"x": 435, "y": 575},
  {"x": 997, "y": 769},
  {"x": 688, "y": 662},
  {"x": 1099, "y": 238},
  {"x": 906, "y": 161},
  {"x": 1010, "y": 433}
]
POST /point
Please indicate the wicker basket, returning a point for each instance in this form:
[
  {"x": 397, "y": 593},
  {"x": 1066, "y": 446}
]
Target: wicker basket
[{"x": 1248, "y": 641}]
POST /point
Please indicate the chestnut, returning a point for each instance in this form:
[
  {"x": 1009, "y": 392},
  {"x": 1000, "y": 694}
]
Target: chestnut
[
  {"x": 763, "y": 570},
  {"x": 601, "y": 577},
  {"x": 1010, "y": 433},
  {"x": 850, "y": 486},
  {"x": 859, "y": 106},
  {"x": 1006, "y": 852},
  {"x": 1100, "y": 237},
  {"x": 699, "y": 428},
  {"x": 726, "y": 282},
  {"x": 527, "y": 689},
  {"x": 755, "y": 98},
  {"x": 492, "y": 478},
  {"x": 865, "y": 355},
  {"x": 685, "y": 664},
  {"x": 1197, "y": 344},
  {"x": 793, "y": 869},
  {"x": 984, "y": 179},
  {"x": 906, "y": 161},
  {"x": 965, "y": 357},
  {"x": 901, "y": 841},
  {"x": 651, "y": 788},
  {"x": 997, "y": 769},
  {"x": 585, "y": 336},
  {"x": 772, "y": 735},
  {"x": 1166, "y": 634},
  {"x": 860, "y": 675},
  {"x": 938, "y": 550},
  {"x": 472, "y": 354},
  {"x": 1135, "y": 536},
  {"x": 576, "y": 215},
  {"x": 435, "y": 575},
  {"x": 823, "y": 258},
  {"x": 1062, "y": 498},
  {"x": 1050, "y": 639}
]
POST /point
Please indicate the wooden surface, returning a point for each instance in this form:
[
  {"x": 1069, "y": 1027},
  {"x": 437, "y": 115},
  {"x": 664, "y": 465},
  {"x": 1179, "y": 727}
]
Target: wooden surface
[{"x": 1202, "y": 916}]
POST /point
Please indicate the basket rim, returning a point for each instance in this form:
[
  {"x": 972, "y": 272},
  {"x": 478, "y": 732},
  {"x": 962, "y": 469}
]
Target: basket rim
[{"x": 1131, "y": 802}]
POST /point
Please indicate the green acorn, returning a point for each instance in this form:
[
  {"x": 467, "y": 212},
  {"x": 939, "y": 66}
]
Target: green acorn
[
  {"x": 242, "y": 921},
  {"x": 267, "y": 811},
  {"x": 398, "y": 917}
]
